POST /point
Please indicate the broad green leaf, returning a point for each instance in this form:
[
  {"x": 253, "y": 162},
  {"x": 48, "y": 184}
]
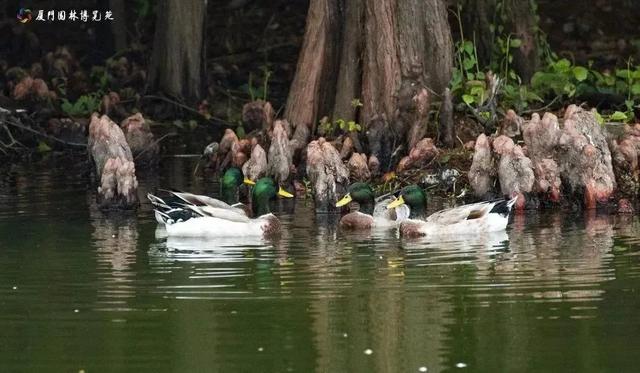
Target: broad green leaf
[
  {"x": 618, "y": 116},
  {"x": 239, "y": 132},
  {"x": 580, "y": 73},
  {"x": 562, "y": 65},
  {"x": 468, "y": 99},
  {"x": 468, "y": 47},
  {"x": 469, "y": 63},
  {"x": 635, "y": 89},
  {"x": 623, "y": 73},
  {"x": 515, "y": 43},
  {"x": 477, "y": 90}
]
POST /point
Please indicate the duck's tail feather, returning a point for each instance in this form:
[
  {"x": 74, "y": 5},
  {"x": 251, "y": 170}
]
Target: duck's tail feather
[
  {"x": 503, "y": 207},
  {"x": 157, "y": 202}
]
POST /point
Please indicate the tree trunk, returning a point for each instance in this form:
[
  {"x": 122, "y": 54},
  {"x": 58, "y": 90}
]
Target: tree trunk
[
  {"x": 313, "y": 88},
  {"x": 177, "y": 63},
  {"x": 119, "y": 24},
  {"x": 521, "y": 23},
  {"x": 349, "y": 78},
  {"x": 389, "y": 51},
  {"x": 478, "y": 17}
]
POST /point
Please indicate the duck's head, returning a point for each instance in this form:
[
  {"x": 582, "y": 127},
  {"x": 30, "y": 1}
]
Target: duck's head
[
  {"x": 358, "y": 192},
  {"x": 265, "y": 190},
  {"x": 414, "y": 197},
  {"x": 229, "y": 183}
]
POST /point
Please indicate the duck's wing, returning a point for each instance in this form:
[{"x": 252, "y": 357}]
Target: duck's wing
[
  {"x": 232, "y": 214},
  {"x": 457, "y": 214},
  {"x": 202, "y": 200}
]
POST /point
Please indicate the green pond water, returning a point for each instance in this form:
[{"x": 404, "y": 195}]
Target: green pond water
[{"x": 81, "y": 291}]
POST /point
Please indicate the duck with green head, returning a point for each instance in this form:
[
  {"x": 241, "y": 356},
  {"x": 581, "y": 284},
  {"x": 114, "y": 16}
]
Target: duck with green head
[
  {"x": 414, "y": 197},
  {"x": 475, "y": 218},
  {"x": 230, "y": 184},
  {"x": 370, "y": 214},
  {"x": 202, "y": 218}
]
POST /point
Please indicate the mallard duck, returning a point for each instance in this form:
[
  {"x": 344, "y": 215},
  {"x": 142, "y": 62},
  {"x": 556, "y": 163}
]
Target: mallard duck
[
  {"x": 488, "y": 216},
  {"x": 370, "y": 214},
  {"x": 230, "y": 183},
  {"x": 196, "y": 216}
]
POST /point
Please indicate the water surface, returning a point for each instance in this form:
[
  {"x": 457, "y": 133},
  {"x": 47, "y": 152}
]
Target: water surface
[{"x": 81, "y": 290}]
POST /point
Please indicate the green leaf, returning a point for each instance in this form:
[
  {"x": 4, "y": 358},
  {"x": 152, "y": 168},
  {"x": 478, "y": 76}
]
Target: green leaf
[
  {"x": 562, "y": 65},
  {"x": 515, "y": 43},
  {"x": 239, "y": 131},
  {"x": 580, "y": 73},
  {"x": 468, "y": 99},
  {"x": 470, "y": 76},
  {"x": 477, "y": 91},
  {"x": 468, "y": 47},
  {"x": 635, "y": 89},
  {"x": 618, "y": 116},
  {"x": 43, "y": 147},
  {"x": 569, "y": 89},
  {"x": 355, "y": 103},
  {"x": 468, "y": 63},
  {"x": 532, "y": 96},
  {"x": 599, "y": 118},
  {"x": 623, "y": 73},
  {"x": 609, "y": 80}
]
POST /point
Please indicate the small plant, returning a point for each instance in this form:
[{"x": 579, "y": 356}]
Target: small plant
[
  {"x": 84, "y": 106},
  {"x": 258, "y": 92},
  {"x": 328, "y": 127}
]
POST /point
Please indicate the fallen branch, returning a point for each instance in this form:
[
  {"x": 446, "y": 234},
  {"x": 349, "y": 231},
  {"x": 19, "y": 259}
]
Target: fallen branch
[
  {"x": 211, "y": 119},
  {"x": 154, "y": 143},
  {"x": 43, "y": 135}
]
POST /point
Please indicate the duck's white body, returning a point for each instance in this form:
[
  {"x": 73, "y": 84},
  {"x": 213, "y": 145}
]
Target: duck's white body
[
  {"x": 462, "y": 220},
  {"x": 209, "y": 226},
  {"x": 202, "y": 216}
]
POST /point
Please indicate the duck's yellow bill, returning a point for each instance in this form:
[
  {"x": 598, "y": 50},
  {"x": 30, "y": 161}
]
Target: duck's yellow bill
[
  {"x": 396, "y": 203},
  {"x": 284, "y": 193},
  {"x": 249, "y": 181},
  {"x": 345, "y": 200}
]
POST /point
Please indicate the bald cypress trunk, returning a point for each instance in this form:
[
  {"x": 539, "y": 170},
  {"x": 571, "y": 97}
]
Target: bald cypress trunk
[
  {"x": 478, "y": 20},
  {"x": 177, "y": 62},
  {"x": 481, "y": 19},
  {"x": 388, "y": 51},
  {"x": 520, "y": 19},
  {"x": 312, "y": 91}
]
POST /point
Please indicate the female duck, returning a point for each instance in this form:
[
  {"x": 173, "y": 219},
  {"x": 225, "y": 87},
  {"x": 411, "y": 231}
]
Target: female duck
[
  {"x": 473, "y": 218},
  {"x": 198, "y": 217},
  {"x": 370, "y": 214}
]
